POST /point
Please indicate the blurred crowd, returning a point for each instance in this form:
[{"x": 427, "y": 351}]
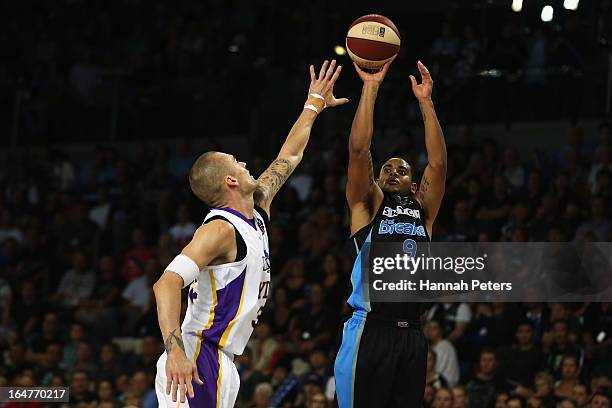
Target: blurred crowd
[
  {"x": 148, "y": 57},
  {"x": 83, "y": 240}
]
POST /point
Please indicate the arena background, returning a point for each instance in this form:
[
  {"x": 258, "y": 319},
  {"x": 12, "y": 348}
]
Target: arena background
[{"x": 105, "y": 105}]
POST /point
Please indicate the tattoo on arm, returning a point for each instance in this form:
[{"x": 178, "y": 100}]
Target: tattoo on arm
[
  {"x": 424, "y": 187},
  {"x": 274, "y": 177},
  {"x": 177, "y": 339}
]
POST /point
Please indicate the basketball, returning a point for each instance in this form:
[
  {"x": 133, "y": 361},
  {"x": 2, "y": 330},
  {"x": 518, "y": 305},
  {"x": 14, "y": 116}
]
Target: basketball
[{"x": 372, "y": 40}]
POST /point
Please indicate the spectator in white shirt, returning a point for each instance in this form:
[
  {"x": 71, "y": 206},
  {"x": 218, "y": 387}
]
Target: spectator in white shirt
[
  {"x": 446, "y": 362},
  {"x": 77, "y": 284}
]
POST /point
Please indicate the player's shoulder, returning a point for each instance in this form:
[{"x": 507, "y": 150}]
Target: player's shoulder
[{"x": 217, "y": 229}]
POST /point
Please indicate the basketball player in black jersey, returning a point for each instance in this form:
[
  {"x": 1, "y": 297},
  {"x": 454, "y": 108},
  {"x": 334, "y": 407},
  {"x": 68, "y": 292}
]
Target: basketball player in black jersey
[{"x": 383, "y": 357}]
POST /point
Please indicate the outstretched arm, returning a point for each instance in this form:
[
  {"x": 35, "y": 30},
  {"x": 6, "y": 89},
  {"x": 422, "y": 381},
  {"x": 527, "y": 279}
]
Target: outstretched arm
[
  {"x": 320, "y": 96},
  {"x": 362, "y": 193},
  {"x": 433, "y": 183},
  {"x": 214, "y": 241}
]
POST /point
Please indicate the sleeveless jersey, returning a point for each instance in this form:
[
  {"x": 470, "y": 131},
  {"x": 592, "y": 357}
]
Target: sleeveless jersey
[
  {"x": 398, "y": 223},
  {"x": 226, "y": 300}
]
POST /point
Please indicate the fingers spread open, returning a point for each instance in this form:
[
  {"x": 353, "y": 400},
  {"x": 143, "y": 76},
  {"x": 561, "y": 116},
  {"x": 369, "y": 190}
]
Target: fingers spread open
[
  {"x": 330, "y": 70},
  {"x": 312, "y": 74},
  {"x": 336, "y": 74},
  {"x": 323, "y": 69}
]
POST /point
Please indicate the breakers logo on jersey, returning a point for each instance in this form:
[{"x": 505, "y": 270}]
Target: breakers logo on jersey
[
  {"x": 390, "y": 212},
  {"x": 405, "y": 228}
]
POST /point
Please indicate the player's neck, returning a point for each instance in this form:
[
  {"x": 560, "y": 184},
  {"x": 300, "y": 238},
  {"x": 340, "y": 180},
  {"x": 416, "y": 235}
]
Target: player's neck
[{"x": 243, "y": 204}]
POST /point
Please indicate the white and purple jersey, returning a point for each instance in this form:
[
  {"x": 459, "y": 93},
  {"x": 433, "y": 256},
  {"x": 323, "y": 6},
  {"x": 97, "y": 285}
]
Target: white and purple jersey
[
  {"x": 226, "y": 300},
  {"x": 224, "y": 304}
]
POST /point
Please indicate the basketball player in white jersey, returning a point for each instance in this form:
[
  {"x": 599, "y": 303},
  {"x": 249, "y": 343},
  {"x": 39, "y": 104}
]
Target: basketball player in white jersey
[{"x": 226, "y": 265}]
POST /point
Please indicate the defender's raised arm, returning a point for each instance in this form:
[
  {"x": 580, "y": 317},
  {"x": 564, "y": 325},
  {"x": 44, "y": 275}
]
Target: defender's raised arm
[{"x": 320, "y": 96}]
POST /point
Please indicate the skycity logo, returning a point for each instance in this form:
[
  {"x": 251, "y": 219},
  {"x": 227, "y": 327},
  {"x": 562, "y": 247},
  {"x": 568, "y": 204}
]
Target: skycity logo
[{"x": 390, "y": 212}]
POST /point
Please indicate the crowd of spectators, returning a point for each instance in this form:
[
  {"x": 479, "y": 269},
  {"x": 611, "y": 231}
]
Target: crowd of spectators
[
  {"x": 82, "y": 239},
  {"x": 82, "y": 242},
  {"x": 150, "y": 57}
]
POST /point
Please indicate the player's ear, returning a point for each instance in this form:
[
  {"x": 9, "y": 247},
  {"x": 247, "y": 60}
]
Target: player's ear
[
  {"x": 413, "y": 188},
  {"x": 231, "y": 180}
]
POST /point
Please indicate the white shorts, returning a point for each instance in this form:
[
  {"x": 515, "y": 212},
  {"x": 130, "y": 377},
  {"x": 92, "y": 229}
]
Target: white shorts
[{"x": 216, "y": 370}]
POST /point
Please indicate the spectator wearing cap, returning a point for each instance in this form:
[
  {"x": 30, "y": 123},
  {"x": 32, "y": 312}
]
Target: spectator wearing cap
[{"x": 310, "y": 386}]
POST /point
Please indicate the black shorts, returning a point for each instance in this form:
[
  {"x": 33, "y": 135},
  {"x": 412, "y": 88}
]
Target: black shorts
[{"x": 381, "y": 363}]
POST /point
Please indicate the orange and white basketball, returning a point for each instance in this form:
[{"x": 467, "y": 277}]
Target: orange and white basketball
[{"x": 372, "y": 40}]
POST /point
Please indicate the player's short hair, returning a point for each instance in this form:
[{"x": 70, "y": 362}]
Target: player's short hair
[{"x": 206, "y": 177}]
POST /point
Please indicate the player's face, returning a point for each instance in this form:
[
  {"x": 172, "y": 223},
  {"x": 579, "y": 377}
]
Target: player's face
[
  {"x": 396, "y": 177},
  {"x": 239, "y": 169}
]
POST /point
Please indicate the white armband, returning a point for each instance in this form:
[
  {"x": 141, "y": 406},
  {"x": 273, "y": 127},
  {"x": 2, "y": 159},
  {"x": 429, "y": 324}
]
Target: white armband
[{"x": 185, "y": 267}]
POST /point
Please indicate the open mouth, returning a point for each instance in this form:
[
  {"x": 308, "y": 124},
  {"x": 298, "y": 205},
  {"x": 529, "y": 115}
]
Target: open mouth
[{"x": 392, "y": 182}]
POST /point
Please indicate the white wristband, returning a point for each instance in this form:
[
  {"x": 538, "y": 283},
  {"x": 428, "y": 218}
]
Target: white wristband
[
  {"x": 312, "y": 108},
  {"x": 185, "y": 267},
  {"x": 316, "y": 95}
]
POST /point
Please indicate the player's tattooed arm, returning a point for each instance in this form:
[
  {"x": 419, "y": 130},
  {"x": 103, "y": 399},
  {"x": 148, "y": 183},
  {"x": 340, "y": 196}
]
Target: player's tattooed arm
[
  {"x": 173, "y": 339},
  {"x": 320, "y": 93},
  {"x": 272, "y": 179}
]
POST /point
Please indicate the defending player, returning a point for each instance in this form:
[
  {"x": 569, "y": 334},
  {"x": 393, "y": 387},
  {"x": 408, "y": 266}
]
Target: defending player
[
  {"x": 227, "y": 265},
  {"x": 382, "y": 360}
]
